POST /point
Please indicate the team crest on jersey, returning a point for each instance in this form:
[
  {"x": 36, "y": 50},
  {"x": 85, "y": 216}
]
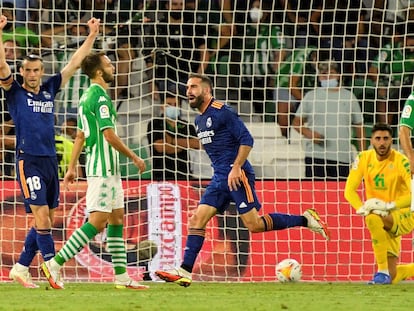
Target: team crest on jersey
[
  {"x": 355, "y": 163},
  {"x": 209, "y": 122},
  {"x": 104, "y": 112},
  {"x": 47, "y": 95},
  {"x": 407, "y": 111}
]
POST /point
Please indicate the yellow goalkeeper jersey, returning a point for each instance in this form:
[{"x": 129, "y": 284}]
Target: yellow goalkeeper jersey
[{"x": 388, "y": 180}]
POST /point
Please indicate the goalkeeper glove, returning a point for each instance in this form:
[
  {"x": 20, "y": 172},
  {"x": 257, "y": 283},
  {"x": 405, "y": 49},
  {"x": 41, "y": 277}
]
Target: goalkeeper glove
[
  {"x": 378, "y": 205},
  {"x": 380, "y": 213},
  {"x": 363, "y": 211}
]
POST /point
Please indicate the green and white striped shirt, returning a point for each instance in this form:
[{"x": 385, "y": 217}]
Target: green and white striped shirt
[
  {"x": 96, "y": 113},
  {"x": 71, "y": 93}
]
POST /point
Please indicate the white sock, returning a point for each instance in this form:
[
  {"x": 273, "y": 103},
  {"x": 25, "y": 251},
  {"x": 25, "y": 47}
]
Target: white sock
[
  {"x": 122, "y": 277},
  {"x": 54, "y": 265},
  {"x": 21, "y": 268}
]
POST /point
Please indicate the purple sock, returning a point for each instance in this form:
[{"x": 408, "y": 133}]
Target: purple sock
[{"x": 29, "y": 249}]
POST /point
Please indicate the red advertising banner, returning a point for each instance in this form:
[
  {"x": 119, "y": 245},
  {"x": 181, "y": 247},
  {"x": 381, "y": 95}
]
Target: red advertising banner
[{"x": 160, "y": 212}]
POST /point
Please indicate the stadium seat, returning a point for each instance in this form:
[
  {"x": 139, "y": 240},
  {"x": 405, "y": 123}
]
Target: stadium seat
[{"x": 272, "y": 156}]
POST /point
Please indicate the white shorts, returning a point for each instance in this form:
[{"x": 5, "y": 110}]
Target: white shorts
[{"x": 104, "y": 194}]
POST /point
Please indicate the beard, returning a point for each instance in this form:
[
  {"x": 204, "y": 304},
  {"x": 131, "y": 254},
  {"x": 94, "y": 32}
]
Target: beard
[
  {"x": 197, "y": 102},
  {"x": 382, "y": 151},
  {"x": 107, "y": 77}
]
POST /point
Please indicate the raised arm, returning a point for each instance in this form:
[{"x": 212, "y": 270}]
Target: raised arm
[
  {"x": 5, "y": 72},
  {"x": 76, "y": 60}
]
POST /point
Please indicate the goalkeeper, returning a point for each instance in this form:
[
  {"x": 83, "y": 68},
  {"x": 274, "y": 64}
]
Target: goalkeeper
[{"x": 387, "y": 178}]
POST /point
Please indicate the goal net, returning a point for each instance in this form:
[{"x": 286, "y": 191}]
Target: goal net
[{"x": 262, "y": 62}]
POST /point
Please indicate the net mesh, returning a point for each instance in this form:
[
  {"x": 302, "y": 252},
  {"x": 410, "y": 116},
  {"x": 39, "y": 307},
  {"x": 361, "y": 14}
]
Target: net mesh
[{"x": 262, "y": 71}]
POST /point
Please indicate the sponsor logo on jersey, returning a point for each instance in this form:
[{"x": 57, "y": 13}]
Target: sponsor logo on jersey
[
  {"x": 47, "y": 95},
  {"x": 40, "y": 106},
  {"x": 406, "y": 111},
  {"x": 104, "y": 112},
  {"x": 355, "y": 163},
  {"x": 205, "y": 137},
  {"x": 101, "y": 99}
]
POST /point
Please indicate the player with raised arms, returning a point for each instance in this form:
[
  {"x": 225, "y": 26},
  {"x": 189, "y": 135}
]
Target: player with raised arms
[{"x": 31, "y": 106}]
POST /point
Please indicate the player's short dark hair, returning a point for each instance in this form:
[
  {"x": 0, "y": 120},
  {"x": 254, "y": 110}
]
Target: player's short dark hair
[
  {"x": 381, "y": 127},
  {"x": 31, "y": 58},
  {"x": 92, "y": 63},
  {"x": 204, "y": 79}
]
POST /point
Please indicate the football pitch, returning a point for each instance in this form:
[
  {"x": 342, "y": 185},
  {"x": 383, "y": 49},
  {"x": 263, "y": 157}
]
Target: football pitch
[{"x": 207, "y": 296}]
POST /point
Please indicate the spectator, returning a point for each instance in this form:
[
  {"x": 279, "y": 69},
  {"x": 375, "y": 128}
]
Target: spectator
[
  {"x": 14, "y": 55},
  {"x": 387, "y": 182},
  {"x": 337, "y": 24},
  {"x": 22, "y": 35},
  {"x": 214, "y": 19},
  {"x": 296, "y": 76},
  {"x": 129, "y": 40},
  {"x": 298, "y": 14},
  {"x": 176, "y": 50},
  {"x": 264, "y": 50},
  {"x": 171, "y": 138},
  {"x": 69, "y": 128},
  {"x": 393, "y": 72},
  {"x": 46, "y": 18},
  {"x": 53, "y": 19},
  {"x": 330, "y": 112}
]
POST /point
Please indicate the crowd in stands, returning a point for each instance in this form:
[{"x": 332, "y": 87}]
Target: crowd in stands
[{"x": 260, "y": 54}]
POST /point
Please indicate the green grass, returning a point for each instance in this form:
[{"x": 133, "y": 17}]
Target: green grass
[{"x": 211, "y": 297}]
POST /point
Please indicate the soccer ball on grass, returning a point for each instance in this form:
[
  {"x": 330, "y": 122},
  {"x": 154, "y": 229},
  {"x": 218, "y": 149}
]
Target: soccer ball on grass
[{"x": 288, "y": 270}]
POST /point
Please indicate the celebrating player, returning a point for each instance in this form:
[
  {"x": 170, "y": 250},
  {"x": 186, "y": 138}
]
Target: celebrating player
[
  {"x": 105, "y": 196},
  {"x": 228, "y": 143},
  {"x": 386, "y": 174},
  {"x": 31, "y": 106}
]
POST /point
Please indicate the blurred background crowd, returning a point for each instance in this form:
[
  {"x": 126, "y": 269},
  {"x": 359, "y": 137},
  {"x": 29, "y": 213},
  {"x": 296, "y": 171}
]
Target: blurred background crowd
[{"x": 262, "y": 55}]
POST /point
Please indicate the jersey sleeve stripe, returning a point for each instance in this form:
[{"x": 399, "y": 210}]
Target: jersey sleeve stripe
[
  {"x": 249, "y": 192},
  {"x": 217, "y": 105},
  {"x": 23, "y": 179}
]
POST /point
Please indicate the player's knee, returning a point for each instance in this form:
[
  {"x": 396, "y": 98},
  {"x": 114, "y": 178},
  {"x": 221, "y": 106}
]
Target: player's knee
[{"x": 373, "y": 221}]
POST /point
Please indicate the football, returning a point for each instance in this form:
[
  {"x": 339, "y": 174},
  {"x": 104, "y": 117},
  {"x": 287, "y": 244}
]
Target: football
[{"x": 288, "y": 270}]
